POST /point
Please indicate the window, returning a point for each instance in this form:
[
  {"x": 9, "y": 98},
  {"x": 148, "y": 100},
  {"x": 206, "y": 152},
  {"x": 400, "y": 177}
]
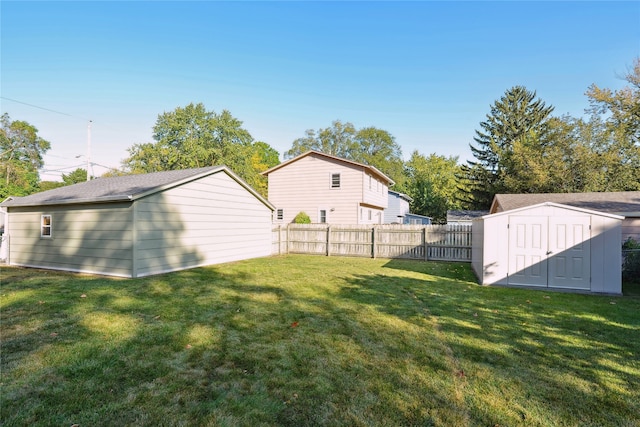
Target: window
[
  {"x": 369, "y": 182},
  {"x": 323, "y": 216},
  {"x": 369, "y": 214},
  {"x": 45, "y": 229},
  {"x": 280, "y": 214},
  {"x": 335, "y": 180}
]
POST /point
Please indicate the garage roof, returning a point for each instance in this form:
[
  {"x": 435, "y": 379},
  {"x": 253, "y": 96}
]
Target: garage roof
[{"x": 123, "y": 188}]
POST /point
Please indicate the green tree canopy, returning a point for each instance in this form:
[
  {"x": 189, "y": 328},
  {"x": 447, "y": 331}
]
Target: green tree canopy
[
  {"x": 21, "y": 151},
  {"x": 517, "y": 120},
  {"x": 192, "y": 137},
  {"x": 433, "y": 185},
  {"x": 370, "y": 145},
  {"x": 74, "y": 177}
]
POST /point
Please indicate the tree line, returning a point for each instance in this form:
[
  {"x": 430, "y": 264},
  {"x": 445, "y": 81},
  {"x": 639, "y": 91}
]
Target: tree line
[{"x": 521, "y": 147}]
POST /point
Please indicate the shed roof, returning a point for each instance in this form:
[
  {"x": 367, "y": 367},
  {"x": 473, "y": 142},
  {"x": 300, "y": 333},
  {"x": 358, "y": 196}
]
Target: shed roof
[
  {"x": 625, "y": 203},
  {"x": 123, "y": 188},
  {"x": 463, "y": 215},
  {"x": 372, "y": 169},
  {"x": 557, "y": 205},
  {"x": 401, "y": 195}
]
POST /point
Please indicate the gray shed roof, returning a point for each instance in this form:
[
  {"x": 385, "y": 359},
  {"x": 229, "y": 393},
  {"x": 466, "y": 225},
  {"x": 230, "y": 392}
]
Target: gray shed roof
[
  {"x": 626, "y": 203},
  {"x": 122, "y": 188},
  {"x": 462, "y": 215}
]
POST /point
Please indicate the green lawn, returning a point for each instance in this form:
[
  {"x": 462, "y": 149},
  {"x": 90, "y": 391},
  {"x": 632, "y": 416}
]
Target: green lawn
[{"x": 311, "y": 340}]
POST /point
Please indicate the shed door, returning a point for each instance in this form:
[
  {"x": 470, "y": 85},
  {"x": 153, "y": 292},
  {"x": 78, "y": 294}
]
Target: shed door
[
  {"x": 527, "y": 250},
  {"x": 550, "y": 251},
  {"x": 570, "y": 252}
]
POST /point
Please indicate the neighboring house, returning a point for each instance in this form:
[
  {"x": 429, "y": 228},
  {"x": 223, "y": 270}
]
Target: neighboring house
[
  {"x": 139, "y": 225},
  {"x": 623, "y": 203},
  {"x": 415, "y": 219},
  {"x": 461, "y": 217},
  {"x": 329, "y": 189},
  {"x": 397, "y": 208},
  {"x": 549, "y": 245}
]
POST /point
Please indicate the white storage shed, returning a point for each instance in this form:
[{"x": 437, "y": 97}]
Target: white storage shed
[{"x": 549, "y": 245}]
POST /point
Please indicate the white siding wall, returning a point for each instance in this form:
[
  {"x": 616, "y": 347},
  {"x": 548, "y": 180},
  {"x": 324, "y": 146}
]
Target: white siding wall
[
  {"x": 305, "y": 186},
  {"x": 91, "y": 239},
  {"x": 397, "y": 206},
  {"x": 208, "y": 221},
  {"x": 374, "y": 191}
]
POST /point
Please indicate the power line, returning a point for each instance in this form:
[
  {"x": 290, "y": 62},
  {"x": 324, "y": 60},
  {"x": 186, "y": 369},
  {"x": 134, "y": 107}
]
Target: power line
[{"x": 42, "y": 108}]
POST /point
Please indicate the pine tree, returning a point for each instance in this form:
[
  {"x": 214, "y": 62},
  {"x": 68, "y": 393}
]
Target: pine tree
[{"x": 515, "y": 116}]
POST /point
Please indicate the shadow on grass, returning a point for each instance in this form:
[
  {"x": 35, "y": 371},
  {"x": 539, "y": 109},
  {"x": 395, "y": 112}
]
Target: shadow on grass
[
  {"x": 311, "y": 341},
  {"x": 525, "y": 357}
]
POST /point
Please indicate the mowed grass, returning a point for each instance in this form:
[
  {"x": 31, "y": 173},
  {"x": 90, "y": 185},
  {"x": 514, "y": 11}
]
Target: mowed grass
[{"x": 309, "y": 341}]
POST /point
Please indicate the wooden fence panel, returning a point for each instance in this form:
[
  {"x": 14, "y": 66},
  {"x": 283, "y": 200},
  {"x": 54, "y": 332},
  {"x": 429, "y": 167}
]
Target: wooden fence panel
[{"x": 431, "y": 242}]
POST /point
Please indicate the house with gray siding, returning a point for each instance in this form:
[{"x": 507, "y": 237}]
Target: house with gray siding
[
  {"x": 398, "y": 208},
  {"x": 140, "y": 225},
  {"x": 329, "y": 189}
]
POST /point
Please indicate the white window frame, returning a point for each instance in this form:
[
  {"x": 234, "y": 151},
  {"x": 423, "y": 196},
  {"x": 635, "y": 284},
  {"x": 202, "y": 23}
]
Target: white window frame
[
  {"x": 326, "y": 215},
  {"x": 331, "y": 182},
  {"x": 44, "y": 226}
]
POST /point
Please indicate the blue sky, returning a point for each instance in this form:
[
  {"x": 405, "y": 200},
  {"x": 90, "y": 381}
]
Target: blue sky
[{"x": 427, "y": 72}]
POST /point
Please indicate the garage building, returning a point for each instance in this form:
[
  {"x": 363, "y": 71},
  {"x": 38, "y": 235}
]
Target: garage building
[{"x": 140, "y": 225}]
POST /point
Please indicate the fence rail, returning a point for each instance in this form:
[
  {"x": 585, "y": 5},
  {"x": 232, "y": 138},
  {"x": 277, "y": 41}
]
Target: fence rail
[{"x": 430, "y": 242}]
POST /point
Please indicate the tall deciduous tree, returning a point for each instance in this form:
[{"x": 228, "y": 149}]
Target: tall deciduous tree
[
  {"x": 433, "y": 185},
  {"x": 370, "y": 145},
  {"x": 619, "y": 113},
  {"x": 516, "y": 118},
  {"x": 193, "y": 137},
  {"x": 21, "y": 151}
]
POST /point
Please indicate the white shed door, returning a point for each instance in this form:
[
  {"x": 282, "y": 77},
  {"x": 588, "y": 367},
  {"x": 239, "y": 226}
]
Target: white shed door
[
  {"x": 527, "y": 250},
  {"x": 570, "y": 252},
  {"x": 550, "y": 251}
]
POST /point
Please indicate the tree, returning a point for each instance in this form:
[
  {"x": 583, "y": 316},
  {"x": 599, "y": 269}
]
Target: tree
[
  {"x": 192, "y": 137},
  {"x": 370, "y": 145},
  {"x": 336, "y": 140},
  {"x": 433, "y": 185},
  {"x": 619, "y": 114},
  {"x": 516, "y": 118},
  {"x": 21, "y": 151},
  {"x": 78, "y": 175},
  {"x": 263, "y": 157},
  {"x": 49, "y": 185}
]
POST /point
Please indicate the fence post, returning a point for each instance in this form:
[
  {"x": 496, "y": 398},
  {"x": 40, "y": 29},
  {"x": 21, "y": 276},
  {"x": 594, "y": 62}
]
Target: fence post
[
  {"x": 328, "y": 240},
  {"x": 426, "y": 247},
  {"x": 280, "y": 239},
  {"x": 373, "y": 242},
  {"x": 288, "y": 238}
]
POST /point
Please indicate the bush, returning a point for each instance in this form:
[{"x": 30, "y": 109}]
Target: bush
[
  {"x": 631, "y": 260},
  {"x": 302, "y": 218}
]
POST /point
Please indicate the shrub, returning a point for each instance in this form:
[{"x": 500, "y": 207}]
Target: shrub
[
  {"x": 631, "y": 260},
  {"x": 302, "y": 218}
]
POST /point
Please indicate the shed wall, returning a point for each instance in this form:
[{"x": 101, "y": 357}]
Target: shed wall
[
  {"x": 208, "y": 221},
  {"x": 84, "y": 238},
  {"x": 491, "y": 264}
]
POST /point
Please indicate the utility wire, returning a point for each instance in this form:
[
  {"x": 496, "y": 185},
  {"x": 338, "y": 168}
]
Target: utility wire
[{"x": 42, "y": 108}]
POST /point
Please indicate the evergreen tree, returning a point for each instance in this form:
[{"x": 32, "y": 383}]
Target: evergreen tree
[{"x": 514, "y": 119}]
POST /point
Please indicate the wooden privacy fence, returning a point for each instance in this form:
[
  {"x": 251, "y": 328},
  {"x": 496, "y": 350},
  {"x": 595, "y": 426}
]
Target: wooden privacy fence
[{"x": 423, "y": 242}]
